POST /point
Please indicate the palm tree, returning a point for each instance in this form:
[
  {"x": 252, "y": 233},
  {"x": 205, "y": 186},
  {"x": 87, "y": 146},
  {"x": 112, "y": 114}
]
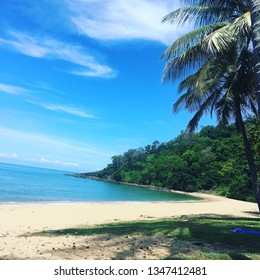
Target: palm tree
[
  {"x": 219, "y": 56},
  {"x": 255, "y": 21}
]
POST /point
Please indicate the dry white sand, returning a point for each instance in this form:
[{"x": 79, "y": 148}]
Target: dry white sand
[{"x": 20, "y": 221}]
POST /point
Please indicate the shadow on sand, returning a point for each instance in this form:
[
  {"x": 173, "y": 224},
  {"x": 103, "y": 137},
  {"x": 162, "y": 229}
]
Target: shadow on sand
[{"x": 192, "y": 237}]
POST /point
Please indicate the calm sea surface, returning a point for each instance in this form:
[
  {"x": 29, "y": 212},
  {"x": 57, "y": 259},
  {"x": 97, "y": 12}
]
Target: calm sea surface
[{"x": 23, "y": 184}]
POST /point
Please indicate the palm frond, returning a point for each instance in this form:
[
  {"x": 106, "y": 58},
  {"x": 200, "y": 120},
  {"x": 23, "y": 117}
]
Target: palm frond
[
  {"x": 252, "y": 104},
  {"x": 187, "y": 83},
  {"x": 198, "y": 15},
  {"x": 181, "y": 65},
  {"x": 218, "y": 57},
  {"x": 209, "y": 75},
  {"x": 236, "y": 5},
  {"x": 193, "y": 123},
  {"x": 236, "y": 32},
  {"x": 219, "y": 39},
  {"x": 241, "y": 26},
  {"x": 180, "y": 102},
  {"x": 190, "y": 39},
  {"x": 192, "y": 57},
  {"x": 224, "y": 109}
]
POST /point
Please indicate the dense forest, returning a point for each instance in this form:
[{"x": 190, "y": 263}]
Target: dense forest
[{"x": 210, "y": 160}]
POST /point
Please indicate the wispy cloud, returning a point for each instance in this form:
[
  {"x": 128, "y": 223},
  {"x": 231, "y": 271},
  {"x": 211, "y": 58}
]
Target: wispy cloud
[
  {"x": 39, "y": 160},
  {"x": 42, "y": 87},
  {"x": 124, "y": 20},
  {"x": 49, "y": 48},
  {"x": 69, "y": 110},
  {"x": 8, "y": 155},
  {"x": 72, "y": 110},
  {"x": 12, "y": 89},
  {"x": 57, "y": 162}
]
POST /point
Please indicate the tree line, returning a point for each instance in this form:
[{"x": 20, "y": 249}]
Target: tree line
[{"x": 210, "y": 160}]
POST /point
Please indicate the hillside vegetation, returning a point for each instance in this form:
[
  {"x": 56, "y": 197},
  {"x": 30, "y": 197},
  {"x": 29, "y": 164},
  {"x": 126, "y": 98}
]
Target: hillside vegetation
[{"x": 213, "y": 159}]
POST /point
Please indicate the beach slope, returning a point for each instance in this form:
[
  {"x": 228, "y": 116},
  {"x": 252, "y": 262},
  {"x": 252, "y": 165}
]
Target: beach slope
[{"x": 21, "y": 222}]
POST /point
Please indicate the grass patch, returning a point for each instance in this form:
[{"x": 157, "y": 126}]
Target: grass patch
[{"x": 197, "y": 230}]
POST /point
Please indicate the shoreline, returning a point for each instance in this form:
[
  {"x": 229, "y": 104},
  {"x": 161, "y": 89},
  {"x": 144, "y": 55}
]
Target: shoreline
[
  {"x": 150, "y": 187},
  {"x": 98, "y": 202},
  {"x": 95, "y": 178},
  {"x": 195, "y": 196},
  {"x": 120, "y": 210},
  {"x": 201, "y": 195}
]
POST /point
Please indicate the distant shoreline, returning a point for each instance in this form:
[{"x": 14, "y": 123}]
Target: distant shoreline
[{"x": 150, "y": 187}]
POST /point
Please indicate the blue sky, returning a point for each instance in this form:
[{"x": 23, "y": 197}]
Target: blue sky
[{"x": 80, "y": 81}]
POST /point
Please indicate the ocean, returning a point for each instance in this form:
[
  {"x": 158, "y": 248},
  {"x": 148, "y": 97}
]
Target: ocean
[{"x": 24, "y": 184}]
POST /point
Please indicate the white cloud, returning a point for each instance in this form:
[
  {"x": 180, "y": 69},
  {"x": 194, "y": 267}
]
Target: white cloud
[
  {"x": 68, "y": 109},
  {"x": 12, "y": 89},
  {"x": 72, "y": 110},
  {"x": 49, "y": 48},
  {"x": 49, "y": 162},
  {"x": 99, "y": 71},
  {"x": 8, "y": 155},
  {"x": 57, "y": 162},
  {"x": 123, "y": 20}
]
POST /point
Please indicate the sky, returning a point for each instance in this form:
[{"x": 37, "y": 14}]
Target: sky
[{"x": 80, "y": 81}]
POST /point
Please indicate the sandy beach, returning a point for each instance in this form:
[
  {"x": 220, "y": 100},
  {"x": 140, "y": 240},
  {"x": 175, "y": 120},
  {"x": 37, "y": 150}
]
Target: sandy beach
[{"x": 20, "y": 224}]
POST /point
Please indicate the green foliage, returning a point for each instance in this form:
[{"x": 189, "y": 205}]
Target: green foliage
[
  {"x": 213, "y": 159},
  {"x": 255, "y": 135}
]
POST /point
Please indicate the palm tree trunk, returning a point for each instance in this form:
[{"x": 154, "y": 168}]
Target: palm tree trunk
[
  {"x": 249, "y": 152},
  {"x": 255, "y": 19}
]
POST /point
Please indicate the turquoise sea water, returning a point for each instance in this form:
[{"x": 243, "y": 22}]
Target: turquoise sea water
[{"x": 23, "y": 184}]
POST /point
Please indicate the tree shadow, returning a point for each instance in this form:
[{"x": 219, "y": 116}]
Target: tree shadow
[
  {"x": 236, "y": 256},
  {"x": 179, "y": 238},
  {"x": 255, "y": 213}
]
